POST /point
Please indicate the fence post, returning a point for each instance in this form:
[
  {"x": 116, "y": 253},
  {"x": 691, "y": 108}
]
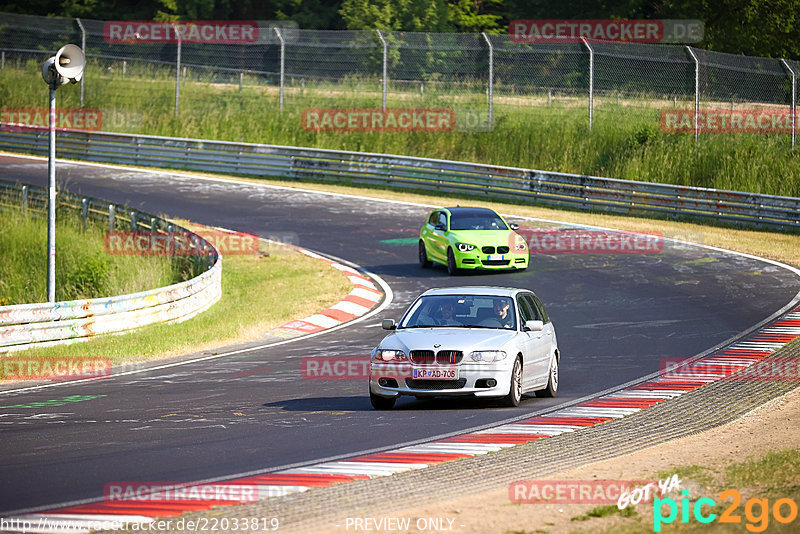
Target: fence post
[
  {"x": 111, "y": 217},
  {"x": 696, "y": 91},
  {"x": 385, "y": 59},
  {"x": 591, "y": 81},
  {"x": 84, "y": 211},
  {"x": 283, "y": 57},
  {"x": 24, "y": 199},
  {"x": 83, "y": 47},
  {"x": 177, "y": 70},
  {"x": 491, "y": 77},
  {"x": 794, "y": 100}
]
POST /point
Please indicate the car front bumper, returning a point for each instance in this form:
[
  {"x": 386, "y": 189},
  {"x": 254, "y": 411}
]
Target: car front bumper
[
  {"x": 473, "y": 379},
  {"x": 475, "y": 259}
]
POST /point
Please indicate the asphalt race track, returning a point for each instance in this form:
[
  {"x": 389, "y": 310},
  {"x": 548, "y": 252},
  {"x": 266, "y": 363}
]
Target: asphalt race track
[{"x": 617, "y": 317}]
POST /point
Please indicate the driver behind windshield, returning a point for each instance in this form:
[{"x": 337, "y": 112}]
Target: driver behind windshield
[
  {"x": 502, "y": 313},
  {"x": 447, "y": 314}
]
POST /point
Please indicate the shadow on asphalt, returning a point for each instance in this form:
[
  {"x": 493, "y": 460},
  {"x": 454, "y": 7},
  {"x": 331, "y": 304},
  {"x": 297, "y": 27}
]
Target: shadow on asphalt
[
  {"x": 362, "y": 404},
  {"x": 413, "y": 270}
]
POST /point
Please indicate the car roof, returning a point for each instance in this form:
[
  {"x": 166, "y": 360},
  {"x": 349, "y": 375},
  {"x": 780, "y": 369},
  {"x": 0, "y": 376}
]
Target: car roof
[
  {"x": 458, "y": 210},
  {"x": 476, "y": 290}
]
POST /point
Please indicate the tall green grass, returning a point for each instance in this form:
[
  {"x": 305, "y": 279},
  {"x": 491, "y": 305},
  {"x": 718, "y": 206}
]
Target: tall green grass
[
  {"x": 625, "y": 142},
  {"x": 83, "y": 267}
]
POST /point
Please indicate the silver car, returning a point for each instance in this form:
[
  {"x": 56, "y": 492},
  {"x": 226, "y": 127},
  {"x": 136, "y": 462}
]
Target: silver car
[{"x": 493, "y": 342}]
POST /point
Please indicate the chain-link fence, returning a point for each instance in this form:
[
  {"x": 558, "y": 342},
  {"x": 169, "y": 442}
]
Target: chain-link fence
[{"x": 593, "y": 81}]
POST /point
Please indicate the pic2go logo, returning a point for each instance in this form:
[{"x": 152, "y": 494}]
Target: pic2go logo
[{"x": 756, "y": 511}]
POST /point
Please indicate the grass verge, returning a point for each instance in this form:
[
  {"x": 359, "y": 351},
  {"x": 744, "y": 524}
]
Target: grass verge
[
  {"x": 259, "y": 292},
  {"x": 625, "y": 142},
  {"x": 83, "y": 268}
]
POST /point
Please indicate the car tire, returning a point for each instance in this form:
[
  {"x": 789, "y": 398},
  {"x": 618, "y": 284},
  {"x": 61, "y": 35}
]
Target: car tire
[
  {"x": 515, "y": 388},
  {"x": 381, "y": 403},
  {"x": 452, "y": 268},
  {"x": 424, "y": 262},
  {"x": 551, "y": 390}
]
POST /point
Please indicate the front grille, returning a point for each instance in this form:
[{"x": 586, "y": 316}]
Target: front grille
[
  {"x": 495, "y": 262},
  {"x": 487, "y": 250},
  {"x": 423, "y": 357},
  {"x": 449, "y": 357},
  {"x": 435, "y": 384},
  {"x": 443, "y": 357},
  {"x": 503, "y": 250}
]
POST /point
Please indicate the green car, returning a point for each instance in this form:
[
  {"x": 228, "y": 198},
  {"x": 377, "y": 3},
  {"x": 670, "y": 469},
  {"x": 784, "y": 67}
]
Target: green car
[{"x": 471, "y": 238}]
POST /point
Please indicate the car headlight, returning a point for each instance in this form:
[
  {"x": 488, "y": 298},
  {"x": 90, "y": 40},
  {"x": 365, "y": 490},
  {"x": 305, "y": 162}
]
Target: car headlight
[
  {"x": 389, "y": 355},
  {"x": 487, "y": 355},
  {"x": 464, "y": 247}
]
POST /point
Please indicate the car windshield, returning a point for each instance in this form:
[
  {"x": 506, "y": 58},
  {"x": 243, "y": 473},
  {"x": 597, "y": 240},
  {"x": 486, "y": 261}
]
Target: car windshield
[
  {"x": 461, "y": 311},
  {"x": 476, "y": 221}
]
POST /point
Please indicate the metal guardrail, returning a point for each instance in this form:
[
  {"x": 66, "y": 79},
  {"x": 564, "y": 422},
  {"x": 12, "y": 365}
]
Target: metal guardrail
[
  {"x": 25, "y": 325},
  {"x": 541, "y": 187}
]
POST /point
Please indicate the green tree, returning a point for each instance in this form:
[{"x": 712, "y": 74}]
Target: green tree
[
  {"x": 751, "y": 27},
  {"x": 477, "y": 15},
  {"x": 405, "y": 15}
]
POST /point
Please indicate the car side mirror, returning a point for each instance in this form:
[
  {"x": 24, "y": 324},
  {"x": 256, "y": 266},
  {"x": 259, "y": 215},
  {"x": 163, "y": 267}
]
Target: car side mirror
[
  {"x": 514, "y": 226},
  {"x": 440, "y": 227},
  {"x": 534, "y": 326},
  {"x": 389, "y": 324}
]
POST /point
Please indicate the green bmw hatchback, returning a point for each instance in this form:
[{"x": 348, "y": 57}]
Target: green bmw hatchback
[{"x": 471, "y": 238}]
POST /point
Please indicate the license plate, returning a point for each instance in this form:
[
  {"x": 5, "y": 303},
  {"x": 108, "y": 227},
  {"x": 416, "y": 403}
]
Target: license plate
[
  {"x": 445, "y": 373},
  {"x": 492, "y": 257}
]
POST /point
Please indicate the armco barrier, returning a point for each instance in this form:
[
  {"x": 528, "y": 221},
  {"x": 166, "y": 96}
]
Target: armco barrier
[
  {"x": 542, "y": 187},
  {"x": 41, "y": 324}
]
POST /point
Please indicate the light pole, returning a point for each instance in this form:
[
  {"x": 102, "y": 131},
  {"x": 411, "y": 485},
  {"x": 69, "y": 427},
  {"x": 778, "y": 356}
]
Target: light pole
[{"x": 66, "y": 66}]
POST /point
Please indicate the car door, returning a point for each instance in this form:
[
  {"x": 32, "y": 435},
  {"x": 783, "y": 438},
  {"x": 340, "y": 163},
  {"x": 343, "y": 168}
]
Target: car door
[
  {"x": 549, "y": 329},
  {"x": 438, "y": 237},
  {"x": 532, "y": 343},
  {"x": 539, "y": 343}
]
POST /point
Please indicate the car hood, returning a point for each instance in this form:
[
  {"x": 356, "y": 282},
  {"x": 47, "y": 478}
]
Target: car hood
[
  {"x": 463, "y": 339},
  {"x": 480, "y": 238}
]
